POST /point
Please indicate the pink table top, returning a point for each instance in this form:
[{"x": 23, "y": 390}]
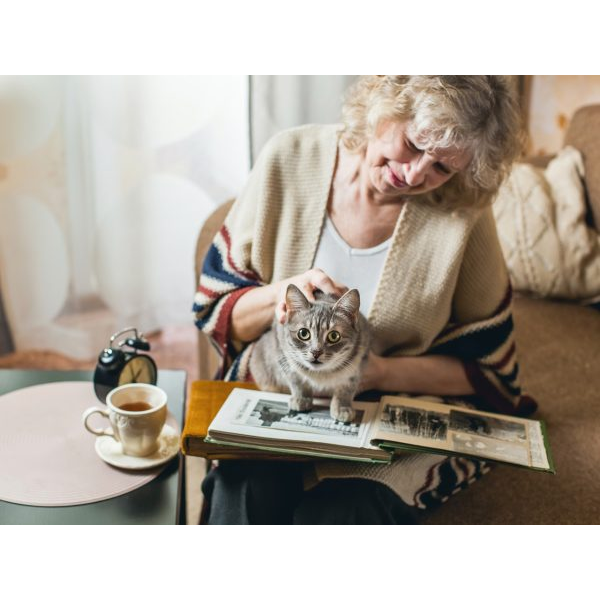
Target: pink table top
[{"x": 47, "y": 458}]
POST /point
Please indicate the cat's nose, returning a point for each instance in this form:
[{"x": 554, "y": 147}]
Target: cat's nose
[{"x": 316, "y": 353}]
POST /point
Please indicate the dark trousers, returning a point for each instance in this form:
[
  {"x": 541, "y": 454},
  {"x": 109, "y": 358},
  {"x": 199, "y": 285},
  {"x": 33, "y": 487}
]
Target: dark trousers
[{"x": 263, "y": 492}]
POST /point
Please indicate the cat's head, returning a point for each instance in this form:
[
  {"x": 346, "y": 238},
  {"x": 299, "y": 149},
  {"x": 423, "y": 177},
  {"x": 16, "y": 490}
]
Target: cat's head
[{"x": 323, "y": 335}]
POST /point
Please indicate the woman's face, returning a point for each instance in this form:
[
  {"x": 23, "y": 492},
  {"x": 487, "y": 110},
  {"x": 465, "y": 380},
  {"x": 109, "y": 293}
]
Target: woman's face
[{"x": 398, "y": 166}]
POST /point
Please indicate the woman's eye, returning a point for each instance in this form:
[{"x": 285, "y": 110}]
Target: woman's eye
[
  {"x": 303, "y": 334},
  {"x": 333, "y": 337},
  {"x": 411, "y": 146},
  {"x": 442, "y": 169}
]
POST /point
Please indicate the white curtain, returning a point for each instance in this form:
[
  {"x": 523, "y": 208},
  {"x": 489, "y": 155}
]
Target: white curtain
[
  {"x": 282, "y": 101},
  {"x": 104, "y": 185}
]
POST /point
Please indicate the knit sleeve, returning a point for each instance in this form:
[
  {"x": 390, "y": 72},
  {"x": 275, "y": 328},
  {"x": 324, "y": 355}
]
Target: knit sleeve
[
  {"x": 480, "y": 331},
  {"x": 222, "y": 283}
]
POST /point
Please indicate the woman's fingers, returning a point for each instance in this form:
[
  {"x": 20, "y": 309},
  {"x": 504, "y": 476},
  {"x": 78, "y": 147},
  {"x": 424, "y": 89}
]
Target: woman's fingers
[
  {"x": 281, "y": 313},
  {"x": 308, "y": 291},
  {"x": 308, "y": 282},
  {"x": 319, "y": 279}
]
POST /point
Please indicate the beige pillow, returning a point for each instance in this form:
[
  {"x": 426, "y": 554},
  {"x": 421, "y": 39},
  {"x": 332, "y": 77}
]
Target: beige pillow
[{"x": 540, "y": 215}]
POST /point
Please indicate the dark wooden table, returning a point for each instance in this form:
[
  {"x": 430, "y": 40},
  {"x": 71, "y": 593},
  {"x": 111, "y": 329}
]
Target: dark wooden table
[{"x": 160, "y": 502}]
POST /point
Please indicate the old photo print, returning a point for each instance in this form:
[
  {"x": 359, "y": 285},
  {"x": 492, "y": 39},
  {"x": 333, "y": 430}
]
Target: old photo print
[
  {"x": 489, "y": 437},
  {"x": 276, "y": 415},
  {"x": 414, "y": 422},
  {"x": 487, "y": 426}
]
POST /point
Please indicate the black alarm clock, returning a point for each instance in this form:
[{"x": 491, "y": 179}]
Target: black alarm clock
[{"x": 117, "y": 366}]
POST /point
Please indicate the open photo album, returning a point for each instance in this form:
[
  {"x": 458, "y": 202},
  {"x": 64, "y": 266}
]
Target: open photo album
[{"x": 252, "y": 422}]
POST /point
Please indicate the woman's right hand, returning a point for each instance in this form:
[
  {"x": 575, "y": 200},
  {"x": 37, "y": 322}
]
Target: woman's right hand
[
  {"x": 252, "y": 314},
  {"x": 308, "y": 282}
]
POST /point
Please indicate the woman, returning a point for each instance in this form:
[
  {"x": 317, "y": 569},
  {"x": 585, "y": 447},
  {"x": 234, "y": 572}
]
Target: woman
[{"x": 394, "y": 202}]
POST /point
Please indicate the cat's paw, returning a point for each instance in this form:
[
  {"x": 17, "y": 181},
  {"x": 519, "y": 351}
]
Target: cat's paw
[
  {"x": 300, "y": 403},
  {"x": 342, "y": 413}
]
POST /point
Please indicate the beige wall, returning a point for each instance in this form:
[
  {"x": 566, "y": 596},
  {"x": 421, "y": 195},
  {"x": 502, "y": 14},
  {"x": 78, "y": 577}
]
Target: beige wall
[{"x": 552, "y": 101}]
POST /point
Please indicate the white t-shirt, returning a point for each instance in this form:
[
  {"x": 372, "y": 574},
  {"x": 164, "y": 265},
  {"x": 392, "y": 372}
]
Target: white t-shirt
[{"x": 358, "y": 268}]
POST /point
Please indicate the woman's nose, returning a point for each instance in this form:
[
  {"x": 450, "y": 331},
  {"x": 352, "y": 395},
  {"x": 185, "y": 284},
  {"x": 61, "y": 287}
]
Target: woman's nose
[{"x": 416, "y": 172}]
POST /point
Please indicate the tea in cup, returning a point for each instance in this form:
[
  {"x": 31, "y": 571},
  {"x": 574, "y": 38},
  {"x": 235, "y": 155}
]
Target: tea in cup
[{"x": 137, "y": 413}]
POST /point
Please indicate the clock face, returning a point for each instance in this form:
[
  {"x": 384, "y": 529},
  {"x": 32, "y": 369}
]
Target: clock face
[{"x": 140, "y": 369}]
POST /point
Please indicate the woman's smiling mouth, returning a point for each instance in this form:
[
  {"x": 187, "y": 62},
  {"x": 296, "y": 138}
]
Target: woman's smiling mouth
[{"x": 396, "y": 181}]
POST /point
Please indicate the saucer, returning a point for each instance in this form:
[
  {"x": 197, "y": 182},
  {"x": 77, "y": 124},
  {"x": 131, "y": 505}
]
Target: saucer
[{"x": 111, "y": 451}]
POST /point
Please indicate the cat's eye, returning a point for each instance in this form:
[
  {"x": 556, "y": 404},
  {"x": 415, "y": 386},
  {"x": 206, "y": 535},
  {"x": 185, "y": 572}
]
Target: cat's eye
[
  {"x": 303, "y": 334},
  {"x": 333, "y": 337}
]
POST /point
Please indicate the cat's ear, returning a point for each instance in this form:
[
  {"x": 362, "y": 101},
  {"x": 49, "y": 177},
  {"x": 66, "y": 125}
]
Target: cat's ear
[
  {"x": 349, "y": 305},
  {"x": 295, "y": 300}
]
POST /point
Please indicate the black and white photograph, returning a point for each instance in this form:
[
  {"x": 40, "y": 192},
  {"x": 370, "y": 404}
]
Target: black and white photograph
[
  {"x": 276, "y": 415},
  {"x": 414, "y": 422},
  {"x": 516, "y": 452},
  {"x": 500, "y": 429},
  {"x": 264, "y": 413}
]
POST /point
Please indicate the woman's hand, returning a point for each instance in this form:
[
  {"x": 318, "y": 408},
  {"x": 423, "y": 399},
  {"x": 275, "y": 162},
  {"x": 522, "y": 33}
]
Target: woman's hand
[
  {"x": 372, "y": 374},
  {"x": 252, "y": 314},
  {"x": 435, "y": 375},
  {"x": 308, "y": 282}
]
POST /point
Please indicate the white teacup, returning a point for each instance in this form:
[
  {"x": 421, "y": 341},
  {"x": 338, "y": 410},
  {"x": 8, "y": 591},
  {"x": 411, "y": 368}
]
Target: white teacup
[{"x": 137, "y": 413}]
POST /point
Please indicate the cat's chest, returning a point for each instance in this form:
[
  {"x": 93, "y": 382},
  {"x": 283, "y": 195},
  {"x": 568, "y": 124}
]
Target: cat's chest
[{"x": 325, "y": 382}]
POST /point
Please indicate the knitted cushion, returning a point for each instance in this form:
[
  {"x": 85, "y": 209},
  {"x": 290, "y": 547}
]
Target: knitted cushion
[{"x": 541, "y": 219}]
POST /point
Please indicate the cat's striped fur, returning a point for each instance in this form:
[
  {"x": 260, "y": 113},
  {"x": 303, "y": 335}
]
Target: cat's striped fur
[{"x": 303, "y": 357}]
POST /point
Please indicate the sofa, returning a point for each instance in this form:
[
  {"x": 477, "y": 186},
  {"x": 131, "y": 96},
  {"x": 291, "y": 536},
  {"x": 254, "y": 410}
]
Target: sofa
[{"x": 558, "y": 345}]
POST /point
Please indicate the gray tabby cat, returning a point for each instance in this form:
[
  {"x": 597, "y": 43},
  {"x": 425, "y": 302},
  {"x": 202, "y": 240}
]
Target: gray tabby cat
[{"x": 320, "y": 350}]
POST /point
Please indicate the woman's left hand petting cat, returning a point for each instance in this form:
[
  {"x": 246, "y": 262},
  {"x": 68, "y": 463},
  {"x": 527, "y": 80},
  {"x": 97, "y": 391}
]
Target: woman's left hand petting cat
[{"x": 320, "y": 348}]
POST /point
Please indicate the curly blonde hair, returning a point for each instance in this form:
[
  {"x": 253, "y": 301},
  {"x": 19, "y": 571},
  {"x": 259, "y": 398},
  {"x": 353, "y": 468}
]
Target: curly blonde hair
[{"x": 477, "y": 113}]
